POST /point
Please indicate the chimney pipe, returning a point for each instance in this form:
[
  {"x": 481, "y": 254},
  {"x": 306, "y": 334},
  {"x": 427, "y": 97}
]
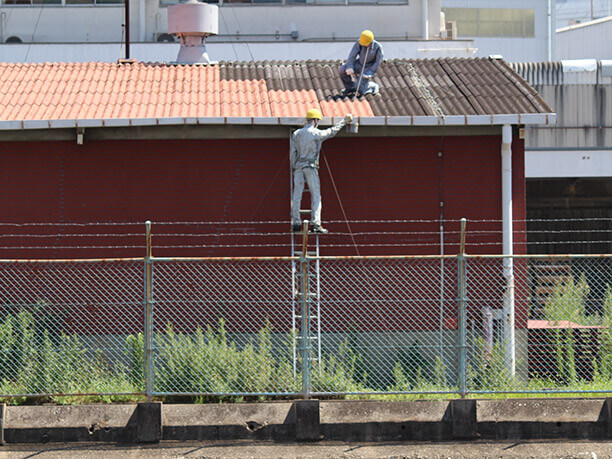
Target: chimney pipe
[{"x": 192, "y": 22}]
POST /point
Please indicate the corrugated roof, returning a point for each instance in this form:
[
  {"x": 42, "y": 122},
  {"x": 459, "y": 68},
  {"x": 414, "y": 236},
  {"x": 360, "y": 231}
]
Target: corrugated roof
[
  {"x": 433, "y": 87},
  {"x": 539, "y": 73}
]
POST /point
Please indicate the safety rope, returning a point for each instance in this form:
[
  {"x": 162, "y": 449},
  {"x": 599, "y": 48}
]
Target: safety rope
[{"x": 340, "y": 202}]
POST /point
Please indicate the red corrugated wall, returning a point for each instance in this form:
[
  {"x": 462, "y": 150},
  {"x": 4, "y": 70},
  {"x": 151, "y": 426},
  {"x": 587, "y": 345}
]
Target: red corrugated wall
[{"x": 236, "y": 180}]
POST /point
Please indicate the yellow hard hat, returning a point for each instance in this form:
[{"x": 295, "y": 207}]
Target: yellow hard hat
[
  {"x": 313, "y": 114},
  {"x": 366, "y": 38}
]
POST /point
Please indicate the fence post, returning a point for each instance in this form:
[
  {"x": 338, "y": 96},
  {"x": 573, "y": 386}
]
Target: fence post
[
  {"x": 305, "y": 328},
  {"x": 508, "y": 249},
  {"x": 148, "y": 315},
  {"x": 462, "y": 315}
]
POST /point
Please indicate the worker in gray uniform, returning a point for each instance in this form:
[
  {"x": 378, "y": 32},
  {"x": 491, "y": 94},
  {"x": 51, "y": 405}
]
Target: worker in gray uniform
[
  {"x": 305, "y": 146},
  {"x": 362, "y": 63}
]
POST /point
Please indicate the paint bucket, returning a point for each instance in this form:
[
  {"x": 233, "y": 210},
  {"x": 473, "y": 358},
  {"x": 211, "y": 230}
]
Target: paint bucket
[{"x": 353, "y": 128}]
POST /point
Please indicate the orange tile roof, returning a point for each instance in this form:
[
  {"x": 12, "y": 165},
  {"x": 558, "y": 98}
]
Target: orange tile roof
[
  {"x": 550, "y": 324},
  {"x": 68, "y": 91}
]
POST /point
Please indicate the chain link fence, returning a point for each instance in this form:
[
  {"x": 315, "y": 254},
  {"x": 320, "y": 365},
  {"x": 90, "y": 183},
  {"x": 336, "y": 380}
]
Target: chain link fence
[
  {"x": 306, "y": 326},
  {"x": 67, "y": 327}
]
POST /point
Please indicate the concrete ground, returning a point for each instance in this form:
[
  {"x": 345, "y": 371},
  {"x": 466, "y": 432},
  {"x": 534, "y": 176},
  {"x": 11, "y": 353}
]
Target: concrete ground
[{"x": 260, "y": 449}]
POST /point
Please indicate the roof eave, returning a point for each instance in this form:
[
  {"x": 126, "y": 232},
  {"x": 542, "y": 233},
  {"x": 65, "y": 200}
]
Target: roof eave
[{"x": 450, "y": 120}]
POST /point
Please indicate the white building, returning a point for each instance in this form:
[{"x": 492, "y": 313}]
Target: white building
[
  {"x": 248, "y": 29},
  {"x": 588, "y": 40},
  {"x": 568, "y": 167},
  {"x": 520, "y": 30},
  {"x": 570, "y": 12}
]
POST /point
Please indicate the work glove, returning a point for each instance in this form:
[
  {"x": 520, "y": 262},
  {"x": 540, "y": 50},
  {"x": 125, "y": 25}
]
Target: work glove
[
  {"x": 348, "y": 118},
  {"x": 350, "y": 71}
]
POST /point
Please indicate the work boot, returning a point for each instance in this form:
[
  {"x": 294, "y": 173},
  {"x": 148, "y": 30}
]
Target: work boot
[
  {"x": 296, "y": 228},
  {"x": 371, "y": 88},
  {"x": 348, "y": 92},
  {"x": 319, "y": 229}
]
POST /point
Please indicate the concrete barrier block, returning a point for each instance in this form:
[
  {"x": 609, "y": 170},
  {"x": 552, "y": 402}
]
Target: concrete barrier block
[
  {"x": 372, "y": 421},
  {"x": 542, "y": 418},
  {"x": 307, "y": 420},
  {"x": 607, "y": 408},
  {"x": 145, "y": 425},
  {"x": 254, "y": 421},
  {"x": 463, "y": 413},
  {"x": 2, "y": 416},
  {"x": 67, "y": 423}
]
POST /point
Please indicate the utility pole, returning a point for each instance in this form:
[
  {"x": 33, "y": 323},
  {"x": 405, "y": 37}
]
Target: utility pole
[{"x": 127, "y": 29}]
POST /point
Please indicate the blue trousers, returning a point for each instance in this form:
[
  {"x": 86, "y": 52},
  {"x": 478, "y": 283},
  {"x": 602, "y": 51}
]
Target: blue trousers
[{"x": 349, "y": 84}]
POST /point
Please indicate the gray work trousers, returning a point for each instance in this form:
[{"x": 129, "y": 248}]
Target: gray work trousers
[{"x": 311, "y": 176}]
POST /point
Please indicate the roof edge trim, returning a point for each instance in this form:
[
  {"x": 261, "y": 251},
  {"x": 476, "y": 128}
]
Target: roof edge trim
[{"x": 450, "y": 120}]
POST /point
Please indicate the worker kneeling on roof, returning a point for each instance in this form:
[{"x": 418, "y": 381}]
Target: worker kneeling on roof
[
  {"x": 305, "y": 146},
  {"x": 363, "y": 62}
]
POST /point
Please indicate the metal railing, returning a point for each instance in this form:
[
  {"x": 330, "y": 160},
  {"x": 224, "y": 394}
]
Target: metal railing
[{"x": 436, "y": 324}]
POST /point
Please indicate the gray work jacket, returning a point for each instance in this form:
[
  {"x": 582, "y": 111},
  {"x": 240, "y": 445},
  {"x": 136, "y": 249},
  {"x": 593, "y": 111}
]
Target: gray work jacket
[
  {"x": 305, "y": 144},
  {"x": 357, "y": 57}
]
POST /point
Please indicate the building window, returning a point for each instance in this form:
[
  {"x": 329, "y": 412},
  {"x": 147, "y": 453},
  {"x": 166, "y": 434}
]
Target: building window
[
  {"x": 31, "y": 2},
  {"x": 492, "y": 22},
  {"x": 59, "y": 2},
  {"x": 292, "y": 2}
]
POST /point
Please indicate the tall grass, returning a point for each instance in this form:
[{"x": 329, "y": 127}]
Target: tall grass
[
  {"x": 567, "y": 303},
  {"x": 34, "y": 361},
  {"x": 37, "y": 356}
]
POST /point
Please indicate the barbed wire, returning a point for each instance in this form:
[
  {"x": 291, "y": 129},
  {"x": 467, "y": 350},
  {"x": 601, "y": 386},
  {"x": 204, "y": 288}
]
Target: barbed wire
[
  {"x": 221, "y": 239},
  {"x": 62, "y": 247},
  {"x": 71, "y": 224},
  {"x": 72, "y": 235},
  {"x": 280, "y": 234},
  {"x": 200, "y": 246},
  {"x": 283, "y": 222},
  {"x": 541, "y": 242}
]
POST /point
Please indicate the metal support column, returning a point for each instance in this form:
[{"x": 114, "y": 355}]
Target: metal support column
[
  {"x": 305, "y": 327},
  {"x": 462, "y": 322},
  {"x": 508, "y": 249},
  {"x": 148, "y": 315}
]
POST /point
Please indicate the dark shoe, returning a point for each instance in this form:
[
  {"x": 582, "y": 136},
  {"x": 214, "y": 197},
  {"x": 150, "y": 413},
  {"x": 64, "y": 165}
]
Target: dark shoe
[
  {"x": 348, "y": 92},
  {"x": 296, "y": 228},
  {"x": 319, "y": 229}
]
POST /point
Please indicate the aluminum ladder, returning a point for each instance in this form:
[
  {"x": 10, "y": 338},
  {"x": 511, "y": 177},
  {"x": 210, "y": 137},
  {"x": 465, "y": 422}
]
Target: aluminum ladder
[{"x": 314, "y": 290}]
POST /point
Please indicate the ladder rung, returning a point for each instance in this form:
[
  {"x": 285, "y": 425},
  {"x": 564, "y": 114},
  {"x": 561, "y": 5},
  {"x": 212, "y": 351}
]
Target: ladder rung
[{"x": 305, "y": 211}]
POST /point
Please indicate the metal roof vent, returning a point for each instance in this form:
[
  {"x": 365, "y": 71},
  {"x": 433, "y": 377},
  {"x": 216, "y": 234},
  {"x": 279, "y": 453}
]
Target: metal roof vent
[{"x": 192, "y": 22}]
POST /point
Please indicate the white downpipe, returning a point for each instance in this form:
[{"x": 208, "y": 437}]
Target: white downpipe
[
  {"x": 550, "y": 32},
  {"x": 506, "y": 154},
  {"x": 425, "y": 19},
  {"x": 141, "y": 21}
]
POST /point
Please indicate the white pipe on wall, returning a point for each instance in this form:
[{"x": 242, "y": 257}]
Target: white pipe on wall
[
  {"x": 550, "y": 32},
  {"x": 425, "y": 19},
  {"x": 506, "y": 157}
]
